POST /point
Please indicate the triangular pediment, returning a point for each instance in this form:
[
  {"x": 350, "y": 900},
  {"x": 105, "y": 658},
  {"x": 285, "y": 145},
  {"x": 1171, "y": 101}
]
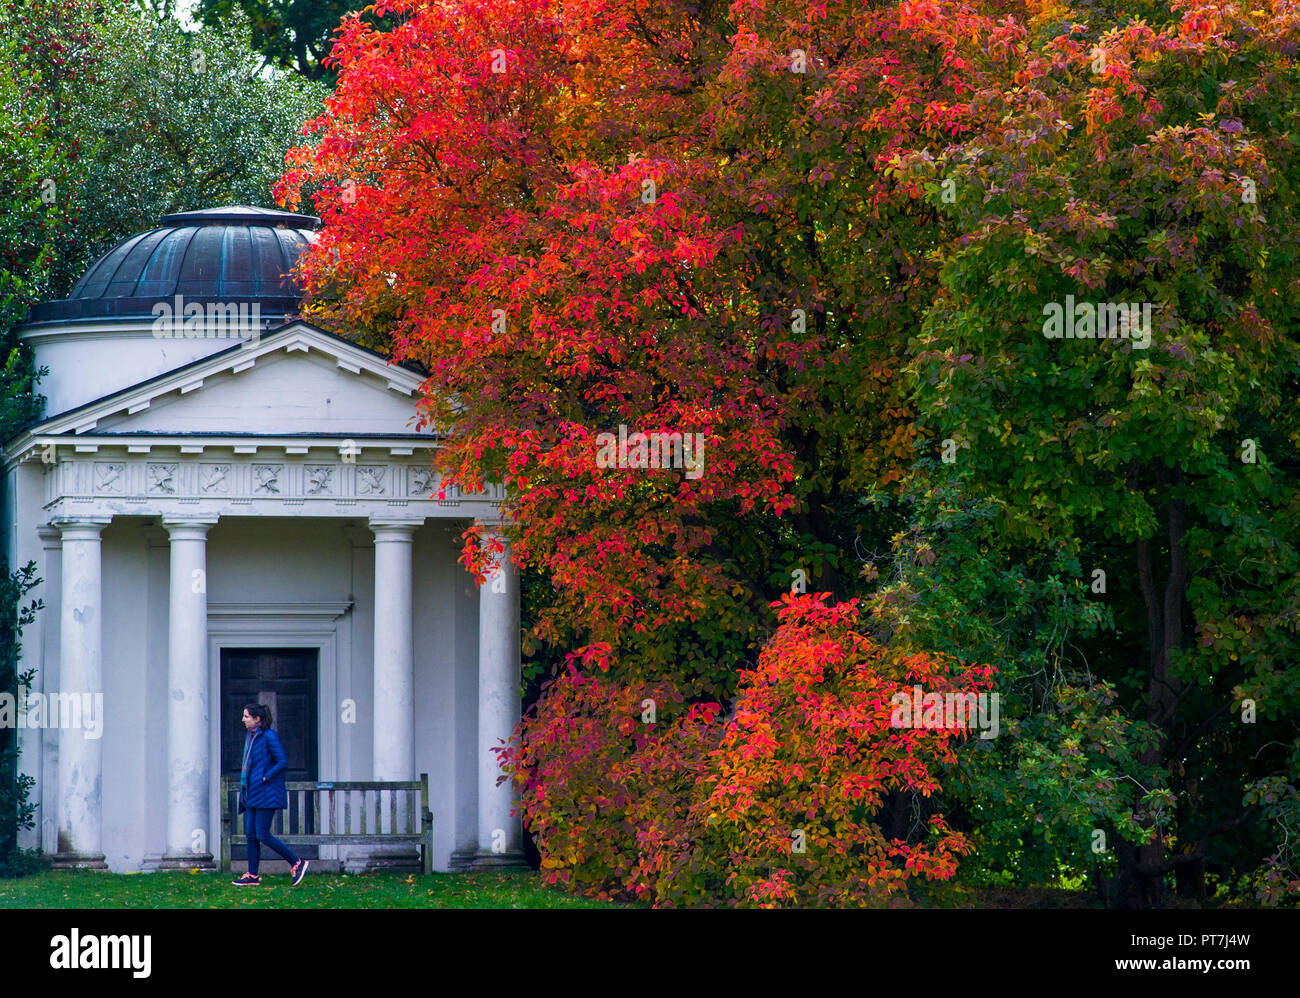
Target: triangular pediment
[{"x": 297, "y": 380}]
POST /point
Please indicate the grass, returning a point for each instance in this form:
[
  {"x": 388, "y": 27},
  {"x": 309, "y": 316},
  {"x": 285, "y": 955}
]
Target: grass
[{"x": 87, "y": 889}]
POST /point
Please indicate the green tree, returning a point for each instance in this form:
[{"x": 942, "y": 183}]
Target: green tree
[
  {"x": 32, "y": 222},
  {"x": 17, "y": 812},
  {"x": 291, "y": 34},
  {"x": 175, "y": 120},
  {"x": 1149, "y": 164}
]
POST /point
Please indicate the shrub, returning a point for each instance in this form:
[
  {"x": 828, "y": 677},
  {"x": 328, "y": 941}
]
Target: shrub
[
  {"x": 775, "y": 806},
  {"x": 17, "y": 812},
  {"x": 1277, "y": 880},
  {"x": 600, "y": 766},
  {"x": 788, "y": 808}
]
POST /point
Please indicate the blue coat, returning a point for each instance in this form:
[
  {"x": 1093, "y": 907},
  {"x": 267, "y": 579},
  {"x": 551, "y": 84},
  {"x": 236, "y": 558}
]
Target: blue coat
[{"x": 266, "y": 767}]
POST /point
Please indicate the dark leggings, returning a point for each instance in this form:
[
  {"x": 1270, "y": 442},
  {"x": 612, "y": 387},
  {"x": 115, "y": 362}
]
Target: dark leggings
[{"x": 257, "y": 826}]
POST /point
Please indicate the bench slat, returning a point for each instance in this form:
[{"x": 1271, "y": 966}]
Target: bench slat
[
  {"x": 300, "y": 824},
  {"x": 312, "y": 840},
  {"x": 352, "y": 785}
]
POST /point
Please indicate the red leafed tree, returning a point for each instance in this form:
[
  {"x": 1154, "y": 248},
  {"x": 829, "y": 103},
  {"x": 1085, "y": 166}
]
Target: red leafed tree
[
  {"x": 781, "y": 804},
  {"x": 488, "y": 194},
  {"x": 765, "y": 222},
  {"x": 669, "y": 217},
  {"x": 790, "y": 804},
  {"x": 606, "y": 774}
]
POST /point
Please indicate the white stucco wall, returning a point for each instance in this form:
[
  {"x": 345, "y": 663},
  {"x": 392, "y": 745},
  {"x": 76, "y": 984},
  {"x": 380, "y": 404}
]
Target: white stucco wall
[{"x": 88, "y": 360}]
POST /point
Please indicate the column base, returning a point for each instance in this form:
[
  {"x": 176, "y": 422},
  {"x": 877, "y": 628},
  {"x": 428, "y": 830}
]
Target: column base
[
  {"x": 485, "y": 860},
  {"x": 187, "y": 861},
  {"x": 78, "y": 861},
  {"x": 392, "y": 863}
]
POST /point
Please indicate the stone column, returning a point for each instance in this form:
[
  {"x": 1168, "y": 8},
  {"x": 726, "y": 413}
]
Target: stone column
[
  {"x": 81, "y": 674},
  {"x": 394, "y": 687},
  {"x": 500, "y": 836},
  {"x": 189, "y": 716}
]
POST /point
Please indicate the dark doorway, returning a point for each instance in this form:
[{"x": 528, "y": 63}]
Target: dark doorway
[{"x": 285, "y": 679}]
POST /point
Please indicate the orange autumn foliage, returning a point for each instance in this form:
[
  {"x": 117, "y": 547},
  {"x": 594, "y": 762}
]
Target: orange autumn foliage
[{"x": 777, "y": 805}]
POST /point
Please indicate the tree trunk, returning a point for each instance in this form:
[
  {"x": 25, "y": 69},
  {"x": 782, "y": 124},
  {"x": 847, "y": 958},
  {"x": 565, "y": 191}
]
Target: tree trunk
[
  {"x": 1189, "y": 879},
  {"x": 1142, "y": 876}
]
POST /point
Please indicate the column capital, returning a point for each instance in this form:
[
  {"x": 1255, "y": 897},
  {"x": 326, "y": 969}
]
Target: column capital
[
  {"x": 49, "y": 535},
  {"x": 81, "y": 527},
  {"x": 394, "y": 530},
  {"x": 187, "y": 528}
]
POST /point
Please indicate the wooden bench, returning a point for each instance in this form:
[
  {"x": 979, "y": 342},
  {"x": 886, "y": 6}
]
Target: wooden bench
[{"x": 300, "y": 824}]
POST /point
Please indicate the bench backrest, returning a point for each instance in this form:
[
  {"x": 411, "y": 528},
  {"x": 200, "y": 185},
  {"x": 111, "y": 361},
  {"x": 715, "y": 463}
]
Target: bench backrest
[{"x": 336, "y": 809}]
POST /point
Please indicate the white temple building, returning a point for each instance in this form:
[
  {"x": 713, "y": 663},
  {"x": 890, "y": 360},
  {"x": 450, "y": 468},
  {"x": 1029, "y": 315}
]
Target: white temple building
[{"x": 248, "y": 516}]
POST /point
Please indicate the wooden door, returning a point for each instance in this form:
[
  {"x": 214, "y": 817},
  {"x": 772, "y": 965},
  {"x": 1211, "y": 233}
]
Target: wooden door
[{"x": 284, "y": 679}]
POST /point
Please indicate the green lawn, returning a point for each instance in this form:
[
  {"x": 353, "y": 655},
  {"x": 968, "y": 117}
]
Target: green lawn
[{"x": 84, "y": 889}]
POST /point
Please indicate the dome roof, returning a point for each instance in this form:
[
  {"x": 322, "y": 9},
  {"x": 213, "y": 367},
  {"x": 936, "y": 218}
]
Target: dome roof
[{"x": 231, "y": 255}]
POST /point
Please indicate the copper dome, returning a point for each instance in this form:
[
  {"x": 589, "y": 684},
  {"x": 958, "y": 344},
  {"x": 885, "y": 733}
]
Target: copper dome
[{"x": 229, "y": 255}]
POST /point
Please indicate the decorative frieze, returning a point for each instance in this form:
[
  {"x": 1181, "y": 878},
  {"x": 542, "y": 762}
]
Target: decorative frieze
[
  {"x": 141, "y": 479},
  {"x": 214, "y": 479},
  {"x": 162, "y": 479},
  {"x": 266, "y": 479},
  {"x": 370, "y": 480},
  {"x": 108, "y": 478}
]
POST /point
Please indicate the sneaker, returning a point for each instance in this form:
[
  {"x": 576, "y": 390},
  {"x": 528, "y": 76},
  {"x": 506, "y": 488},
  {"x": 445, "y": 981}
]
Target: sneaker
[
  {"x": 299, "y": 871},
  {"x": 248, "y": 880}
]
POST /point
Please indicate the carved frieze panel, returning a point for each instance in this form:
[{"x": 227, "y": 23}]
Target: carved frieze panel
[
  {"x": 266, "y": 479},
  {"x": 214, "y": 479},
  {"x": 115, "y": 475},
  {"x": 320, "y": 480},
  {"x": 161, "y": 478},
  {"x": 372, "y": 480},
  {"x": 110, "y": 478}
]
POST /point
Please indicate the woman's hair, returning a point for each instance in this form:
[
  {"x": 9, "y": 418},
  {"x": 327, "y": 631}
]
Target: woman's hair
[{"x": 261, "y": 712}]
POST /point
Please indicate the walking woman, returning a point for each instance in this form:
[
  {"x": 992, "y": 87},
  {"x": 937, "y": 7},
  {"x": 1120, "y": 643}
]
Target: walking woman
[{"x": 262, "y": 793}]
